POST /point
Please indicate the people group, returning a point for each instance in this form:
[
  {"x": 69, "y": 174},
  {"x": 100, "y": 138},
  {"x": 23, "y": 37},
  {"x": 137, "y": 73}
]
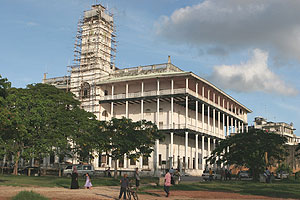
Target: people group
[{"x": 74, "y": 180}]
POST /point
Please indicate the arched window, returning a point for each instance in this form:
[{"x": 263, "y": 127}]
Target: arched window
[{"x": 85, "y": 90}]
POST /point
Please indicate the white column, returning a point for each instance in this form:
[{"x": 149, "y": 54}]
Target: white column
[
  {"x": 242, "y": 127},
  {"x": 208, "y": 146},
  {"x": 141, "y": 162},
  {"x": 142, "y": 101},
  {"x": 202, "y": 152},
  {"x": 214, "y": 121},
  {"x": 196, "y": 157},
  {"x": 224, "y": 129},
  {"x": 112, "y": 104},
  {"x": 196, "y": 117},
  {"x": 157, "y": 123},
  {"x": 186, "y": 110},
  {"x": 109, "y": 161},
  {"x": 227, "y": 126},
  {"x": 246, "y": 128},
  {"x": 186, "y": 102},
  {"x": 171, "y": 149},
  {"x": 219, "y": 122},
  {"x": 126, "y": 94},
  {"x": 172, "y": 104},
  {"x": 235, "y": 126},
  {"x": 208, "y": 120},
  {"x": 125, "y": 161},
  {"x": 186, "y": 149},
  {"x": 231, "y": 125},
  {"x": 239, "y": 126},
  {"x": 202, "y": 117},
  {"x": 214, "y": 144}
]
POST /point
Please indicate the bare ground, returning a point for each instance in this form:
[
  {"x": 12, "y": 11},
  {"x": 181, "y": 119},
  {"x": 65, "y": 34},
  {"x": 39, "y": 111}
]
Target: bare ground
[{"x": 112, "y": 192}]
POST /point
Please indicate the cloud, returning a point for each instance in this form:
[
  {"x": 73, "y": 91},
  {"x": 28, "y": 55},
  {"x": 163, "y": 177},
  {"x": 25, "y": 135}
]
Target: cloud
[
  {"x": 220, "y": 27},
  {"x": 32, "y": 24},
  {"x": 254, "y": 75}
]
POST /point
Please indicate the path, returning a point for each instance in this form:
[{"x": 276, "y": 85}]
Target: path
[{"x": 111, "y": 192}]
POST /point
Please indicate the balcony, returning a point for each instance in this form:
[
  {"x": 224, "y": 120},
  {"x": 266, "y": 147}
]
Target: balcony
[
  {"x": 167, "y": 92},
  {"x": 194, "y": 128}
]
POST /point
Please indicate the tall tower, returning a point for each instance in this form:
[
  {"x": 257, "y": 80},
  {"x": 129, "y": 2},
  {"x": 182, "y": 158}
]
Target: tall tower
[{"x": 94, "y": 55}]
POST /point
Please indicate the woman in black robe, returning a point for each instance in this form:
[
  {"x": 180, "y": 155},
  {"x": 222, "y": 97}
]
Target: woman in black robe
[{"x": 74, "y": 182}]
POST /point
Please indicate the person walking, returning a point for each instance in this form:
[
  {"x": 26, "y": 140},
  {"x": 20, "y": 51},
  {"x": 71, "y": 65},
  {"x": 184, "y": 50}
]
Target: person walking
[
  {"x": 167, "y": 183},
  {"x": 124, "y": 185},
  {"x": 210, "y": 174},
  {"x": 137, "y": 178},
  {"x": 88, "y": 182},
  {"x": 74, "y": 181}
]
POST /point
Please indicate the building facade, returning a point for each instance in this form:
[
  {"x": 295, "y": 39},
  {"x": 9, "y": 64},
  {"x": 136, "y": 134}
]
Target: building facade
[
  {"x": 191, "y": 112},
  {"x": 280, "y": 128}
]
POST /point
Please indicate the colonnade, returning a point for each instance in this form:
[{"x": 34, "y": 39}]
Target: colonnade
[{"x": 230, "y": 123}]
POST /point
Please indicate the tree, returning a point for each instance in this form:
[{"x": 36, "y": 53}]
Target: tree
[
  {"x": 255, "y": 150},
  {"x": 43, "y": 121},
  {"x": 4, "y": 86},
  {"x": 119, "y": 137}
]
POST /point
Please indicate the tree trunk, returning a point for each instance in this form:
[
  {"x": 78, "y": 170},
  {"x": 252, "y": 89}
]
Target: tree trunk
[
  {"x": 15, "y": 172},
  {"x": 116, "y": 170}
]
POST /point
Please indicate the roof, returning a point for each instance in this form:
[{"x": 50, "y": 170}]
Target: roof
[{"x": 158, "y": 71}]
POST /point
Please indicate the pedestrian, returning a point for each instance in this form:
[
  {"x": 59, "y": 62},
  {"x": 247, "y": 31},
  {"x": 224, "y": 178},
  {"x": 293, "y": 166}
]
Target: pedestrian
[
  {"x": 88, "y": 182},
  {"x": 167, "y": 183},
  {"x": 267, "y": 174},
  {"x": 137, "y": 178},
  {"x": 124, "y": 185},
  {"x": 226, "y": 174},
  {"x": 210, "y": 174},
  {"x": 108, "y": 172},
  {"x": 177, "y": 175},
  {"x": 222, "y": 174},
  {"x": 74, "y": 181}
]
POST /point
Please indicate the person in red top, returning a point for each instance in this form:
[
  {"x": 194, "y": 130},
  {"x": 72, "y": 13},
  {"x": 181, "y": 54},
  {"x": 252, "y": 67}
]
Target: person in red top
[{"x": 167, "y": 183}]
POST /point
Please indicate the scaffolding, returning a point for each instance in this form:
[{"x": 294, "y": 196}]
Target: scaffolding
[{"x": 94, "y": 54}]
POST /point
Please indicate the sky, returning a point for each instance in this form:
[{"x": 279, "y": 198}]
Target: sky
[{"x": 249, "y": 48}]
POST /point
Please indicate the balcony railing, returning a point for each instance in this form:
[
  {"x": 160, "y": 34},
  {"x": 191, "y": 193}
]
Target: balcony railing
[
  {"x": 169, "y": 92},
  {"x": 219, "y": 134}
]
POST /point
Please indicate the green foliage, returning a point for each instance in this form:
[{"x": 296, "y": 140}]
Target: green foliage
[
  {"x": 40, "y": 120},
  {"x": 285, "y": 168},
  {"x": 4, "y": 86},
  {"x": 250, "y": 150},
  {"x": 123, "y": 136},
  {"x": 25, "y": 195}
]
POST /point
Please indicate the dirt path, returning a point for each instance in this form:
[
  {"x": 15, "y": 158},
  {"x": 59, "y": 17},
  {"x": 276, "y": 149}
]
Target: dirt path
[{"x": 6, "y": 192}]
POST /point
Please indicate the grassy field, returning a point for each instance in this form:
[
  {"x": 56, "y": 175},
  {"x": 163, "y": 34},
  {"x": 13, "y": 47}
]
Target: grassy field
[
  {"x": 279, "y": 189},
  {"x": 51, "y": 181},
  {"x": 282, "y": 189}
]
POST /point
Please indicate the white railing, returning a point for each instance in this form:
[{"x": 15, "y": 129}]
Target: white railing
[{"x": 169, "y": 92}]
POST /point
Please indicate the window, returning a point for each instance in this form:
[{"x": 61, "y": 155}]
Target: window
[
  {"x": 121, "y": 162},
  {"x": 132, "y": 161},
  {"x": 105, "y": 92},
  {"x": 159, "y": 159},
  {"x": 145, "y": 161},
  {"x": 85, "y": 90}
]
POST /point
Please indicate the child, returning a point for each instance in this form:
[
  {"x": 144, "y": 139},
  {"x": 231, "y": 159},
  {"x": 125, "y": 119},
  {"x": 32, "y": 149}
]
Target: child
[
  {"x": 88, "y": 183},
  {"x": 124, "y": 185}
]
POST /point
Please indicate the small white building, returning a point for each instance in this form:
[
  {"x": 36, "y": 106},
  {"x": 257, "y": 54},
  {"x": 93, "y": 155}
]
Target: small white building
[{"x": 192, "y": 113}]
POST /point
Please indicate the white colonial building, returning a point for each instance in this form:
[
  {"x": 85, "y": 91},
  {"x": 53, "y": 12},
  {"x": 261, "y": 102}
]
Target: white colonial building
[{"x": 192, "y": 113}]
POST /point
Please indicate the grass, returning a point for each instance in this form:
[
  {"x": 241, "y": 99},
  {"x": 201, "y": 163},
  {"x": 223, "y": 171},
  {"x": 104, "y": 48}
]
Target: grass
[
  {"x": 279, "y": 189},
  {"x": 288, "y": 188},
  {"x": 25, "y": 195},
  {"x": 51, "y": 181}
]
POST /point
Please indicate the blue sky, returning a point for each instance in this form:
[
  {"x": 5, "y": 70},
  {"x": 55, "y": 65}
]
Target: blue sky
[{"x": 249, "y": 48}]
